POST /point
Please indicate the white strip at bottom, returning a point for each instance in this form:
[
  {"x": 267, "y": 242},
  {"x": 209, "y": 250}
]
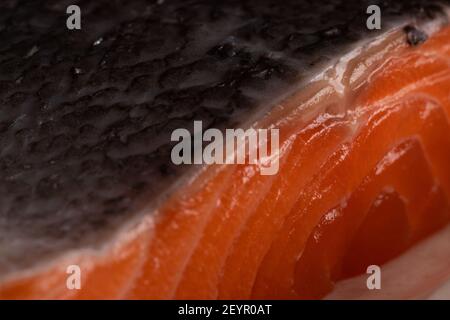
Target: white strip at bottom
[{"x": 423, "y": 272}]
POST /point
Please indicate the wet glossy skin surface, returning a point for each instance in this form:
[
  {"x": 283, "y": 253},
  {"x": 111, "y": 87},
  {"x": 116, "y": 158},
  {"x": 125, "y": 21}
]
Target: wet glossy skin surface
[{"x": 86, "y": 116}]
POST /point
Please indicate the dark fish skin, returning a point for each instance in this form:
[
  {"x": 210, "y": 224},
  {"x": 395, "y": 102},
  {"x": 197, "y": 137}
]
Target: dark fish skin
[{"x": 86, "y": 116}]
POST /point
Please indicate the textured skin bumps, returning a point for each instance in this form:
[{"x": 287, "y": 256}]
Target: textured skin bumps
[{"x": 86, "y": 116}]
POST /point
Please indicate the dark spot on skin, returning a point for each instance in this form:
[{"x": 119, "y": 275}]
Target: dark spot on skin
[{"x": 415, "y": 36}]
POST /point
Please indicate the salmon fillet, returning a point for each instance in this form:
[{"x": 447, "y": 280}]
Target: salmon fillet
[{"x": 87, "y": 179}]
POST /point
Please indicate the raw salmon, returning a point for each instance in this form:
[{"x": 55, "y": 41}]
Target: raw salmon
[{"x": 86, "y": 175}]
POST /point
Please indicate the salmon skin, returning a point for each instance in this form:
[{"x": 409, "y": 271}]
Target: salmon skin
[{"x": 86, "y": 117}]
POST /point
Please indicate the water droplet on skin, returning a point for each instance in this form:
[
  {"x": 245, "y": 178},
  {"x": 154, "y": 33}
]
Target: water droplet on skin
[
  {"x": 77, "y": 71},
  {"x": 332, "y": 32},
  {"x": 98, "y": 42},
  {"x": 32, "y": 52}
]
